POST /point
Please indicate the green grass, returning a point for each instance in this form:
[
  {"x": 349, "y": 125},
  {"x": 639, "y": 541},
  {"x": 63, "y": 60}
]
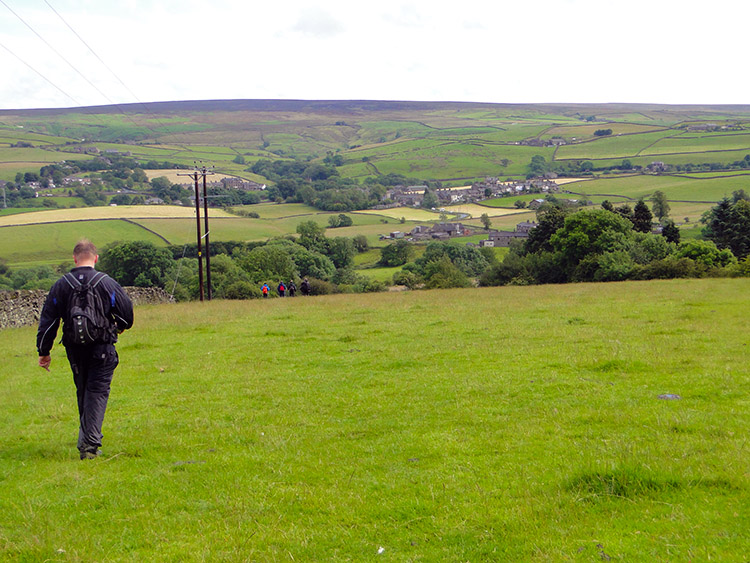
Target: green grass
[
  {"x": 500, "y": 424},
  {"x": 16, "y": 210},
  {"x": 51, "y": 243},
  {"x": 700, "y": 144},
  {"x": 23, "y": 245},
  {"x": 623, "y": 146},
  {"x": 674, "y": 187}
]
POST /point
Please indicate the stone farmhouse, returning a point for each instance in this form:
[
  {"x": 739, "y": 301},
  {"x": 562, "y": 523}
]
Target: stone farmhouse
[
  {"x": 504, "y": 238},
  {"x": 490, "y": 188},
  {"x": 406, "y": 195},
  {"x": 440, "y": 231},
  {"x": 241, "y": 184}
]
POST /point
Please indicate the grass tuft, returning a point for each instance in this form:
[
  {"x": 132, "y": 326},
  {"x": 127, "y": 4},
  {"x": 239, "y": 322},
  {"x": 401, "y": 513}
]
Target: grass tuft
[{"x": 625, "y": 482}]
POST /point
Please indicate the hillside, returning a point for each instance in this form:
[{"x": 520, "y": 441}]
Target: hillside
[
  {"x": 702, "y": 152},
  {"x": 545, "y": 423}
]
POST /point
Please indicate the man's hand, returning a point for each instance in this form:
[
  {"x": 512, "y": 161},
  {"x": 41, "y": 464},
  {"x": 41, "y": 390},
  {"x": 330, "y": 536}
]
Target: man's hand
[{"x": 45, "y": 361}]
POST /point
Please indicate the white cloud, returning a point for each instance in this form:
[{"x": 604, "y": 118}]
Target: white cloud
[
  {"x": 505, "y": 51},
  {"x": 318, "y": 23}
]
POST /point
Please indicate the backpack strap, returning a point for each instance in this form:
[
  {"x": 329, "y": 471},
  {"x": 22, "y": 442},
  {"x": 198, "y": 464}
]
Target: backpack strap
[
  {"x": 96, "y": 279},
  {"x": 67, "y": 277},
  {"x": 93, "y": 282}
]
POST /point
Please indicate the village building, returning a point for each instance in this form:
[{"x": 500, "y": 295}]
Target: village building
[
  {"x": 438, "y": 231},
  {"x": 657, "y": 167},
  {"x": 411, "y": 196},
  {"x": 72, "y": 180},
  {"x": 241, "y": 184},
  {"x": 502, "y": 238}
]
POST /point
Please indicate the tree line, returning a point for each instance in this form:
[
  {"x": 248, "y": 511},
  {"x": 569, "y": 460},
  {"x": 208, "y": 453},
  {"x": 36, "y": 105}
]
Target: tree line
[{"x": 568, "y": 245}]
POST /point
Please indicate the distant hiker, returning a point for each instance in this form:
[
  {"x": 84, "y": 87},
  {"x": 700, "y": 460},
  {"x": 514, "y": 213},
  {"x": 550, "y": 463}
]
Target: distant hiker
[
  {"x": 265, "y": 289},
  {"x": 94, "y": 309},
  {"x": 304, "y": 287},
  {"x": 291, "y": 288},
  {"x": 281, "y": 289}
]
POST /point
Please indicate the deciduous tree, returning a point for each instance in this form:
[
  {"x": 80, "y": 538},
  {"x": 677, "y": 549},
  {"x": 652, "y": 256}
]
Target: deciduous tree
[{"x": 659, "y": 205}]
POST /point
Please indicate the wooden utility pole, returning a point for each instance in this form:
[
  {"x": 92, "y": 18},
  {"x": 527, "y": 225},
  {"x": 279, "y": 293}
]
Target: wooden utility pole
[
  {"x": 205, "y": 173},
  {"x": 194, "y": 175},
  {"x": 198, "y": 231}
]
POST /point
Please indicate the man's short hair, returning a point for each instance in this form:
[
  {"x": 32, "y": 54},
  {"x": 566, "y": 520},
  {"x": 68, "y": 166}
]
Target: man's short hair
[{"x": 83, "y": 248}]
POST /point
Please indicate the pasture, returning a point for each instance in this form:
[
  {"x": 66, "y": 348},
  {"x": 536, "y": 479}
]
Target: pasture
[
  {"x": 677, "y": 188},
  {"x": 46, "y": 237},
  {"x": 408, "y": 213},
  {"x": 610, "y": 423},
  {"x": 108, "y": 212},
  {"x": 23, "y": 246},
  {"x": 617, "y": 146}
]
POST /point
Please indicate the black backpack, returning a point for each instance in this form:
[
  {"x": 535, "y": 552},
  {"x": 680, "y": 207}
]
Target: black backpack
[{"x": 86, "y": 322}]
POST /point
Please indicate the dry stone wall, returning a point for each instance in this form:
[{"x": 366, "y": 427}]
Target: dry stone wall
[{"x": 22, "y": 308}]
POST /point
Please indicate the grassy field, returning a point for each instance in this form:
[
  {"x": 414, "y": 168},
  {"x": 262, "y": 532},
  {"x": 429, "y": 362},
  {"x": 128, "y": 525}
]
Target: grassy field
[
  {"x": 618, "y": 146},
  {"x": 32, "y": 245},
  {"x": 47, "y": 237},
  {"x": 476, "y": 211},
  {"x": 677, "y": 188},
  {"x": 107, "y": 212},
  {"x": 501, "y": 424},
  {"x": 692, "y": 144},
  {"x": 408, "y": 213},
  {"x": 452, "y": 143}
]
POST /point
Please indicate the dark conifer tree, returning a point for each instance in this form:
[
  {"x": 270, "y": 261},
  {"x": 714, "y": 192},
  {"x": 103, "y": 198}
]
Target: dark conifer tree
[{"x": 642, "y": 217}]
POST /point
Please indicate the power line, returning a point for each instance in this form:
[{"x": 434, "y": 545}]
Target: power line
[
  {"x": 112, "y": 72},
  {"x": 40, "y": 74},
  {"x": 91, "y": 50},
  {"x": 119, "y": 108},
  {"x": 71, "y": 65}
]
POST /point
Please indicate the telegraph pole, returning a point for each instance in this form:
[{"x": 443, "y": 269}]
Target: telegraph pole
[
  {"x": 204, "y": 173},
  {"x": 198, "y": 232},
  {"x": 194, "y": 175}
]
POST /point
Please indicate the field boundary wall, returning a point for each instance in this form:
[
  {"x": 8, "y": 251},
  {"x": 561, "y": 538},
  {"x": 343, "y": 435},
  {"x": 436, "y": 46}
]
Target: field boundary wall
[{"x": 22, "y": 307}]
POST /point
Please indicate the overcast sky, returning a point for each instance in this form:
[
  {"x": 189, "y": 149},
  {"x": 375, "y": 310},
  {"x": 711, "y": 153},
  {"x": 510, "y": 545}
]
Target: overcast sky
[{"x": 520, "y": 51}]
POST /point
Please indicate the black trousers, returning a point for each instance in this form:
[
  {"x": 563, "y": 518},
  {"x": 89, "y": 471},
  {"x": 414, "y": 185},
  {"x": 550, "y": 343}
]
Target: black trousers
[{"x": 93, "y": 368}]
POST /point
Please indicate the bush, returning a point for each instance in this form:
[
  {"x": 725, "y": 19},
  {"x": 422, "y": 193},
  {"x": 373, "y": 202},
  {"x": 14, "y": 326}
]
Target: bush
[
  {"x": 443, "y": 274},
  {"x": 705, "y": 252},
  {"x": 667, "y": 269},
  {"x": 321, "y": 287},
  {"x": 412, "y": 280},
  {"x": 614, "y": 266},
  {"x": 137, "y": 263},
  {"x": 241, "y": 290},
  {"x": 743, "y": 267}
]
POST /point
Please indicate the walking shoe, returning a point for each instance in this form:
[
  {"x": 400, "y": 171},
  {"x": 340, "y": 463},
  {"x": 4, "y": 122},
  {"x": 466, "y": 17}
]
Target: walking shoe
[{"x": 88, "y": 454}]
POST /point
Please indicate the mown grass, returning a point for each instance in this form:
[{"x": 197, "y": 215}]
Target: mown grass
[{"x": 505, "y": 424}]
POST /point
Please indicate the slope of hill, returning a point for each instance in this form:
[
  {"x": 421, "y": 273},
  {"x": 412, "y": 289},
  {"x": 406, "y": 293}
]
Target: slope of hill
[{"x": 551, "y": 423}]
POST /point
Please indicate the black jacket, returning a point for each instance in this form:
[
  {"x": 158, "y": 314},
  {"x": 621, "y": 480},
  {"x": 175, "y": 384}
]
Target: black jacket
[{"x": 118, "y": 307}]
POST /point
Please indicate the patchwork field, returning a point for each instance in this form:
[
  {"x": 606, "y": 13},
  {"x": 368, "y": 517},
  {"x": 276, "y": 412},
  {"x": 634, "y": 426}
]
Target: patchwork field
[{"x": 452, "y": 143}]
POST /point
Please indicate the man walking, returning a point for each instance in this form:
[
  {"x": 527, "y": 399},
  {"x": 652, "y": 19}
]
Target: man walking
[{"x": 94, "y": 309}]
